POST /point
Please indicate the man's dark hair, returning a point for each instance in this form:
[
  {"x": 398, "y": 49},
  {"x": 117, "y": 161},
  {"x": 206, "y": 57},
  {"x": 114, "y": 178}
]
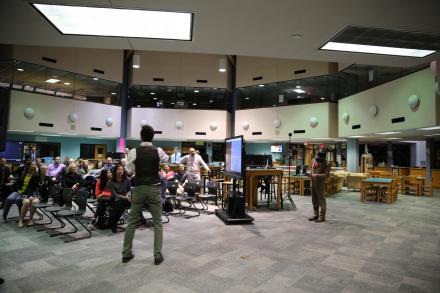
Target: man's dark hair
[
  {"x": 147, "y": 133},
  {"x": 321, "y": 155}
]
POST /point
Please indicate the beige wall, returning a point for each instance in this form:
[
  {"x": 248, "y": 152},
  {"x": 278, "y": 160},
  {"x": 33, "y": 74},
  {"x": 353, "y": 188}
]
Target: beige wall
[
  {"x": 392, "y": 101},
  {"x": 76, "y": 60},
  {"x": 273, "y": 70},
  {"x": 55, "y": 110},
  {"x": 180, "y": 69},
  {"x": 292, "y": 118},
  {"x": 193, "y": 120}
]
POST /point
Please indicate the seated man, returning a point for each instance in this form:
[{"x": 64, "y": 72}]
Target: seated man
[
  {"x": 109, "y": 164},
  {"x": 181, "y": 174},
  {"x": 55, "y": 169}
]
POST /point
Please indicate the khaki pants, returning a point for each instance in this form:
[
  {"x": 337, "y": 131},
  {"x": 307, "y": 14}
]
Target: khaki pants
[
  {"x": 318, "y": 199},
  {"x": 144, "y": 194}
]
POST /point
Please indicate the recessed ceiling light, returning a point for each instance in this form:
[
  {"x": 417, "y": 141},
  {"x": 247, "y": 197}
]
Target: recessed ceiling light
[
  {"x": 54, "y": 76},
  {"x": 296, "y": 36},
  {"x": 194, "y": 104},
  {"x": 67, "y": 83},
  {"x": 196, "y": 91},
  {"x": 356, "y": 136},
  {"x": 172, "y": 103},
  {"x": 429, "y": 128},
  {"x": 95, "y": 78},
  {"x": 299, "y": 97},
  {"x": 211, "y": 101},
  {"x": 322, "y": 98},
  {"x": 357, "y": 48},
  {"x": 152, "y": 93},
  {"x": 20, "y": 69},
  {"x": 118, "y": 22},
  {"x": 52, "y": 80},
  {"x": 247, "y": 98},
  {"x": 299, "y": 90},
  {"x": 169, "y": 90},
  {"x": 389, "y": 132},
  {"x": 214, "y": 88},
  {"x": 261, "y": 85},
  {"x": 113, "y": 93},
  {"x": 155, "y": 99}
]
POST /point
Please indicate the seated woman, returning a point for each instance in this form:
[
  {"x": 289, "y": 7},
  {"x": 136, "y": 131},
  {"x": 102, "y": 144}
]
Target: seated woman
[
  {"x": 72, "y": 179},
  {"x": 37, "y": 190},
  {"x": 96, "y": 171},
  {"x": 167, "y": 174},
  {"x": 25, "y": 174},
  {"x": 103, "y": 195},
  {"x": 121, "y": 195}
]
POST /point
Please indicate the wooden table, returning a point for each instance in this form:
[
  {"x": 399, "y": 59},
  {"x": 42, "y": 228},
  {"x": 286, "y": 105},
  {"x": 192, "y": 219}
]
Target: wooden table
[
  {"x": 377, "y": 182},
  {"x": 252, "y": 188},
  {"x": 422, "y": 184},
  {"x": 302, "y": 180}
]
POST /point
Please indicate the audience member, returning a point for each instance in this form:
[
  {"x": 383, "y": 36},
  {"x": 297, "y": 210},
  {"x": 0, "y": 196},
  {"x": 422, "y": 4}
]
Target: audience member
[
  {"x": 96, "y": 170},
  {"x": 175, "y": 157},
  {"x": 121, "y": 195},
  {"x": 103, "y": 195},
  {"x": 181, "y": 174},
  {"x": 126, "y": 151},
  {"x": 5, "y": 174},
  {"x": 83, "y": 167},
  {"x": 55, "y": 169},
  {"x": 109, "y": 164},
  {"x": 38, "y": 163},
  {"x": 25, "y": 174},
  {"x": 72, "y": 179},
  {"x": 36, "y": 191},
  {"x": 168, "y": 174},
  {"x": 193, "y": 162}
]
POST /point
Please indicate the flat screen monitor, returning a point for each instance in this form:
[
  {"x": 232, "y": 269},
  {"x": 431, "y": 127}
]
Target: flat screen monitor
[
  {"x": 276, "y": 148},
  {"x": 234, "y": 155},
  {"x": 13, "y": 151}
]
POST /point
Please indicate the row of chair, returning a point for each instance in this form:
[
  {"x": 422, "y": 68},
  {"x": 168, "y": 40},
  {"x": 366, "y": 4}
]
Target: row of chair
[{"x": 68, "y": 206}]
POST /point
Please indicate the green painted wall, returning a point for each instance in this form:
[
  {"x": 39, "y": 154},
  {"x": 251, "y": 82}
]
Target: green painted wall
[{"x": 70, "y": 146}]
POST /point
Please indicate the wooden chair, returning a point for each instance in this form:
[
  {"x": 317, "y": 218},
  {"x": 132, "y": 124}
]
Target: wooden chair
[{"x": 411, "y": 184}]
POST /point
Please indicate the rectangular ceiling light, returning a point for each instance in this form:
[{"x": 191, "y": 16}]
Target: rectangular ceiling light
[
  {"x": 429, "y": 128},
  {"x": 357, "y": 48},
  {"x": 389, "y": 132},
  {"x": 356, "y": 136},
  {"x": 52, "y": 80},
  {"x": 118, "y": 22}
]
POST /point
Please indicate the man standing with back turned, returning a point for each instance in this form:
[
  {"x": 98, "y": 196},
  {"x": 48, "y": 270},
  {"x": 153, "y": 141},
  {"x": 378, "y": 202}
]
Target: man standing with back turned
[{"x": 144, "y": 161}]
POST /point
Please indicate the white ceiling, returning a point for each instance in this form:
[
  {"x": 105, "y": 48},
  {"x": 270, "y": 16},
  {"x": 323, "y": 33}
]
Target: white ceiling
[{"x": 242, "y": 27}]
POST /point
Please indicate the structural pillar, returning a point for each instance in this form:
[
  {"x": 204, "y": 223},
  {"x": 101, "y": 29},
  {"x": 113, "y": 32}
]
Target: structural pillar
[
  {"x": 430, "y": 159},
  {"x": 389, "y": 154},
  {"x": 352, "y": 155},
  {"x": 126, "y": 77},
  {"x": 339, "y": 153},
  {"x": 235, "y": 93}
]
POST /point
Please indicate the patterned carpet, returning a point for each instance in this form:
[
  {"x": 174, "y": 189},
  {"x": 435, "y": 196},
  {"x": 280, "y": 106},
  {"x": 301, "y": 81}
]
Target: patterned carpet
[{"x": 363, "y": 247}]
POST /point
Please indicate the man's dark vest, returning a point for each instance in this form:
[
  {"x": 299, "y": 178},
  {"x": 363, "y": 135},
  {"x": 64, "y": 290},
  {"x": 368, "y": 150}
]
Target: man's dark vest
[{"x": 147, "y": 165}]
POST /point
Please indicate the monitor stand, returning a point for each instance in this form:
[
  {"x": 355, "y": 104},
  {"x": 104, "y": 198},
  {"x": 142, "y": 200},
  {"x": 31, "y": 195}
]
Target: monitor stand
[{"x": 236, "y": 212}]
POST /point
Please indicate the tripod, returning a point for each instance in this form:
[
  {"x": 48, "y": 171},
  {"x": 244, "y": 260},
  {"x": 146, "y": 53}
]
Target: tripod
[{"x": 288, "y": 186}]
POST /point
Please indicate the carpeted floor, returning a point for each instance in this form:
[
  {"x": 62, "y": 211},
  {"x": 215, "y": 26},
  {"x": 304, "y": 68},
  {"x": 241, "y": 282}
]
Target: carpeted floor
[{"x": 363, "y": 247}]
